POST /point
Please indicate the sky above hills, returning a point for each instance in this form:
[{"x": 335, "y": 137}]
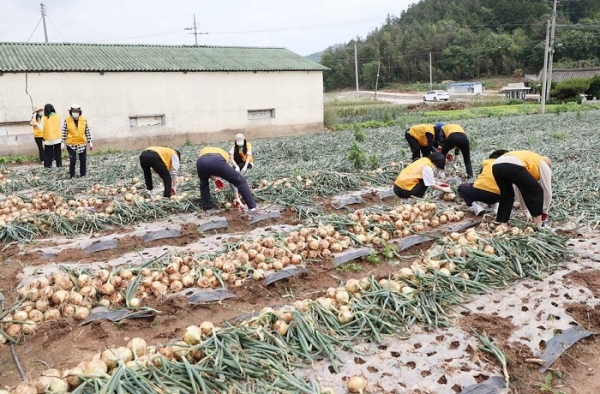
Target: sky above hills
[{"x": 303, "y": 27}]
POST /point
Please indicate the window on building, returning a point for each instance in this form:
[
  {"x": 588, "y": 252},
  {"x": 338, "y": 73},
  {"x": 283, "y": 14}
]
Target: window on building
[
  {"x": 146, "y": 120},
  {"x": 254, "y": 114}
]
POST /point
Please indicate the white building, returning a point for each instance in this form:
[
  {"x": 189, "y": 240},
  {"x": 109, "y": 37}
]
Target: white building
[
  {"x": 138, "y": 95},
  {"x": 465, "y": 88}
]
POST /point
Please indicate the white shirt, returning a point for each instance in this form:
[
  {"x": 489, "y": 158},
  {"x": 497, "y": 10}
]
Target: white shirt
[
  {"x": 428, "y": 178},
  {"x": 174, "y": 165}
]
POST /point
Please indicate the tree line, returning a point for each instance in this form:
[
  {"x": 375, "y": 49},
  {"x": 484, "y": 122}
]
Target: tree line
[{"x": 467, "y": 39}]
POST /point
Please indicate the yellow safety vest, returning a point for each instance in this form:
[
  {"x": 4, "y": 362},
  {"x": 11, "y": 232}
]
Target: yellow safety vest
[
  {"x": 52, "y": 128},
  {"x": 452, "y": 128},
  {"x": 37, "y": 132},
  {"x": 240, "y": 150},
  {"x": 166, "y": 154},
  {"x": 531, "y": 160},
  {"x": 412, "y": 174},
  {"x": 420, "y": 133},
  {"x": 76, "y": 134},
  {"x": 211, "y": 149},
  {"x": 485, "y": 180}
]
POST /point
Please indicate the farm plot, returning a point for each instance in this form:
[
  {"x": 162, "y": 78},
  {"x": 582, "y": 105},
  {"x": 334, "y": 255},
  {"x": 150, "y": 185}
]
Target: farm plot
[{"x": 294, "y": 262}]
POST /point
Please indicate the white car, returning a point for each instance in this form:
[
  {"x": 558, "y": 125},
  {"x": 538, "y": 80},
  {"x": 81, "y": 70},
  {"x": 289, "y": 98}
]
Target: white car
[{"x": 436, "y": 95}]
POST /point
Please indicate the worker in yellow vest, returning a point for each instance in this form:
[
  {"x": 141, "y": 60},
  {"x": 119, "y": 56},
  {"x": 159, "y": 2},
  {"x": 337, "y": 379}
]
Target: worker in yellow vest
[
  {"x": 451, "y": 136},
  {"x": 418, "y": 176},
  {"x": 484, "y": 189},
  {"x": 241, "y": 159},
  {"x": 38, "y": 131},
  {"x": 52, "y": 137},
  {"x": 213, "y": 164},
  {"x": 531, "y": 174},
  {"x": 165, "y": 162},
  {"x": 76, "y": 137},
  {"x": 421, "y": 139}
]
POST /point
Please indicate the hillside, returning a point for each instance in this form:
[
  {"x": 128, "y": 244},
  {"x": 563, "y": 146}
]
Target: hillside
[{"x": 468, "y": 39}]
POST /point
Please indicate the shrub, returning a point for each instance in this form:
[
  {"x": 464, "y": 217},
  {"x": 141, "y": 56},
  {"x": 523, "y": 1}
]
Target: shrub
[
  {"x": 330, "y": 118},
  {"x": 594, "y": 89},
  {"x": 571, "y": 88}
]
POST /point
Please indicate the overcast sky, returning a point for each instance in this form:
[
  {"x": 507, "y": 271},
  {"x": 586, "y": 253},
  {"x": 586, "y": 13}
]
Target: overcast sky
[{"x": 302, "y": 26}]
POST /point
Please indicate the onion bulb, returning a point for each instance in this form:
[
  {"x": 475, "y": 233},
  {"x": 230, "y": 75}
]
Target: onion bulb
[
  {"x": 20, "y": 316},
  {"x": 96, "y": 368},
  {"x": 81, "y": 313},
  {"x": 281, "y": 327},
  {"x": 112, "y": 357},
  {"x": 357, "y": 384},
  {"x": 58, "y": 386},
  {"x": 342, "y": 297},
  {"x": 345, "y": 316},
  {"x": 28, "y": 327},
  {"x": 352, "y": 286},
  {"x": 207, "y": 328},
  {"x": 138, "y": 346},
  {"x": 134, "y": 302},
  {"x": 192, "y": 335},
  {"x": 72, "y": 376},
  {"x": 25, "y": 388},
  {"x": 489, "y": 249}
]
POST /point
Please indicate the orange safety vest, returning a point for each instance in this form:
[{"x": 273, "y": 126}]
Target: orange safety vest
[
  {"x": 76, "y": 134},
  {"x": 211, "y": 149},
  {"x": 531, "y": 160},
  {"x": 420, "y": 133},
  {"x": 412, "y": 174},
  {"x": 485, "y": 180},
  {"x": 452, "y": 128},
  {"x": 166, "y": 154},
  {"x": 52, "y": 128}
]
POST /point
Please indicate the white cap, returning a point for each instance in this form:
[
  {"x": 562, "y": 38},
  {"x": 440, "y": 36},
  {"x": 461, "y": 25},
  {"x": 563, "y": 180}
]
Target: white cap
[
  {"x": 75, "y": 106},
  {"x": 239, "y": 138}
]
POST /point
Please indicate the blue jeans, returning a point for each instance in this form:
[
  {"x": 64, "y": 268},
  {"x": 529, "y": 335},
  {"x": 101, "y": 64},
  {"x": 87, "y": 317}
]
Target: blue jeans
[{"x": 215, "y": 165}]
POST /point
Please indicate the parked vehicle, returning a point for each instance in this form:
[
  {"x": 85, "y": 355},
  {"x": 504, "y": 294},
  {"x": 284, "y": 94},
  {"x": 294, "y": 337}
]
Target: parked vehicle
[{"x": 436, "y": 95}]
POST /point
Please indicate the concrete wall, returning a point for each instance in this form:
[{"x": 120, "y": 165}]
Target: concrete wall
[
  {"x": 195, "y": 106},
  {"x": 466, "y": 89}
]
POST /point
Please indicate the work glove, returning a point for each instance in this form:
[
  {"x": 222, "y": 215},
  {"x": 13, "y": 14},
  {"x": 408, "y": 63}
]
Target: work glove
[
  {"x": 62, "y": 146},
  {"x": 244, "y": 169},
  {"x": 528, "y": 217},
  {"x": 448, "y": 157},
  {"x": 173, "y": 191},
  {"x": 544, "y": 217},
  {"x": 219, "y": 184},
  {"x": 446, "y": 189},
  {"x": 91, "y": 146},
  {"x": 440, "y": 149},
  {"x": 237, "y": 168}
]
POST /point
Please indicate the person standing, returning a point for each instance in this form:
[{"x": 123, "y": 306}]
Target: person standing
[
  {"x": 421, "y": 139},
  {"x": 52, "y": 137},
  {"x": 418, "y": 176},
  {"x": 241, "y": 159},
  {"x": 76, "y": 136},
  {"x": 213, "y": 164},
  {"x": 531, "y": 174},
  {"x": 165, "y": 162},
  {"x": 453, "y": 136},
  {"x": 38, "y": 131},
  {"x": 484, "y": 189}
]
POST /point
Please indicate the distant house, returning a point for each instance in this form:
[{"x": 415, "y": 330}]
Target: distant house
[
  {"x": 139, "y": 95},
  {"x": 559, "y": 75},
  {"x": 465, "y": 88},
  {"x": 515, "y": 91}
]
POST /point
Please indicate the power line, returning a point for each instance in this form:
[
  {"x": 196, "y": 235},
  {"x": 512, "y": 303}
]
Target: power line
[
  {"x": 58, "y": 31},
  {"x": 36, "y": 26},
  {"x": 195, "y": 29},
  {"x": 147, "y": 35}
]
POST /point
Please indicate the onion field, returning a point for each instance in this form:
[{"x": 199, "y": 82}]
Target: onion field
[{"x": 105, "y": 289}]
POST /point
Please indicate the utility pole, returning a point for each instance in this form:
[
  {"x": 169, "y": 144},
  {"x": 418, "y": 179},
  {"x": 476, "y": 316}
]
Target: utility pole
[
  {"x": 356, "y": 69},
  {"x": 551, "y": 51},
  {"x": 43, "y": 10},
  {"x": 430, "y": 73},
  {"x": 377, "y": 80},
  {"x": 545, "y": 70},
  {"x": 195, "y": 29}
]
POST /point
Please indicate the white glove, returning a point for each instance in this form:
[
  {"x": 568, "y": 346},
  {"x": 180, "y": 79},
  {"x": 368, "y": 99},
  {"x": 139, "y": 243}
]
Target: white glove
[
  {"x": 528, "y": 217},
  {"x": 237, "y": 168},
  {"x": 91, "y": 146},
  {"x": 244, "y": 169},
  {"x": 62, "y": 146},
  {"x": 446, "y": 190}
]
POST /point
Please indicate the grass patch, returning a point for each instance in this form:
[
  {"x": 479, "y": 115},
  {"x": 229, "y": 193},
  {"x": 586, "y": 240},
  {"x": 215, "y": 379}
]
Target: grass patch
[{"x": 350, "y": 267}]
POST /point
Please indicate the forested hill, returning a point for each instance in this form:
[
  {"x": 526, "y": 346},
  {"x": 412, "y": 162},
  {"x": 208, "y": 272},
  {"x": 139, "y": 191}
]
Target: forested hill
[{"x": 468, "y": 39}]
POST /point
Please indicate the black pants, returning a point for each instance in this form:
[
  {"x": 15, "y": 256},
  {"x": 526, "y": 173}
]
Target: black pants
[
  {"x": 150, "y": 160},
  {"x": 470, "y": 194},
  {"x": 39, "y": 141},
  {"x": 461, "y": 142},
  {"x": 416, "y": 149},
  {"x": 507, "y": 175},
  {"x": 52, "y": 152},
  {"x": 73, "y": 160},
  {"x": 417, "y": 191},
  {"x": 215, "y": 165}
]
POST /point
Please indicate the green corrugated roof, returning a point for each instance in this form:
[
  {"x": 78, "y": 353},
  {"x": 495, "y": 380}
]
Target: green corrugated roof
[{"x": 47, "y": 57}]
